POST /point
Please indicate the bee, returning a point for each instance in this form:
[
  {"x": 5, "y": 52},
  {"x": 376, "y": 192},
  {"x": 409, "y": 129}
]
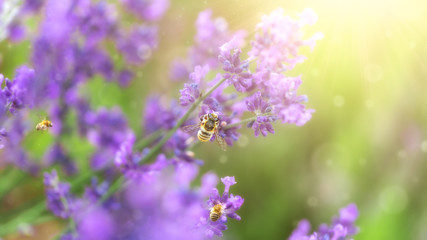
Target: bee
[
  {"x": 216, "y": 212},
  {"x": 44, "y": 125},
  {"x": 207, "y": 128}
]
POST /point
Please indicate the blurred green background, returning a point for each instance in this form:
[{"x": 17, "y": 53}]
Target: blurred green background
[{"x": 366, "y": 142}]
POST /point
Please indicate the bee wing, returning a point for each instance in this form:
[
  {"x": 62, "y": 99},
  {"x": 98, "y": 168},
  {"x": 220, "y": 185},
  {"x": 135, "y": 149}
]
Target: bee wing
[
  {"x": 191, "y": 128},
  {"x": 220, "y": 141}
]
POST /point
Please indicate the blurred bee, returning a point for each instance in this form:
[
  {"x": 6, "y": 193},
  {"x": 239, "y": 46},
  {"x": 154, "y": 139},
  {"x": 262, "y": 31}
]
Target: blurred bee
[
  {"x": 207, "y": 128},
  {"x": 216, "y": 212},
  {"x": 44, "y": 125}
]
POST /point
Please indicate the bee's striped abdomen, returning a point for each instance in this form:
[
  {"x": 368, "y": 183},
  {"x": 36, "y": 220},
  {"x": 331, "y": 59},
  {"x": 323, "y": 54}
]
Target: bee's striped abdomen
[
  {"x": 204, "y": 136},
  {"x": 214, "y": 216},
  {"x": 216, "y": 212}
]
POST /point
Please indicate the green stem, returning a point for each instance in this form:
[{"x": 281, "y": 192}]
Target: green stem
[
  {"x": 40, "y": 207},
  {"x": 33, "y": 214},
  {"x": 144, "y": 142},
  {"x": 156, "y": 149},
  {"x": 114, "y": 188},
  {"x": 240, "y": 123},
  {"x": 11, "y": 179},
  {"x": 25, "y": 217}
]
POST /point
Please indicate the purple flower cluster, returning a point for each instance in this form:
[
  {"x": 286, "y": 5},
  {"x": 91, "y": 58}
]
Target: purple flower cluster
[
  {"x": 160, "y": 204},
  {"x": 262, "y": 109},
  {"x": 342, "y": 227},
  {"x": 17, "y": 93},
  {"x": 59, "y": 199},
  {"x": 139, "y": 198},
  {"x": 69, "y": 49},
  {"x": 211, "y": 34},
  {"x": 274, "y": 52},
  {"x": 229, "y": 203},
  {"x": 13, "y": 14},
  {"x": 108, "y": 129}
]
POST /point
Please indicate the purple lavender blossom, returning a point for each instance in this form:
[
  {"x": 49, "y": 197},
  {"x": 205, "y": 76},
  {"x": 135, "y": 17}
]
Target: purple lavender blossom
[
  {"x": 57, "y": 154},
  {"x": 32, "y": 5},
  {"x": 96, "y": 223},
  {"x": 156, "y": 116},
  {"x": 189, "y": 94},
  {"x": 108, "y": 130},
  {"x": 96, "y": 21},
  {"x": 191, "y": 90},
  {"x": 151, "y": 10},
  {"x": 13, "y": 134},
  {"x": 287, "y": 104},
  {"x": 237, "y": 72},
  {"x": 342, "y": 227},
  {"x": 230, "y": 204},
  {"x": 278, "y": 39},
  {"x": 19, "y": 92},
  {"x": 59, "y": 199},
  {"x": 16, "y": 32},
  {"x": 211, "y": 34},
  {"x": 138, "y": 45},
  {"x": 262, "y": 110}
]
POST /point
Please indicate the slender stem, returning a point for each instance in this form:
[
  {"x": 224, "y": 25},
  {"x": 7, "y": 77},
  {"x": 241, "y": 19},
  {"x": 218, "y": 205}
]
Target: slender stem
[
  {"x": 144, "y": 142},
  {"x": 155, "y": 150},
  {"x": 114, "y": 188},
  {"x": 240, "y": 123},
  {"x": 12, "y": 178},
  {"x": 40, "y": 207},
  {"x": 32, "y": 215},
  {"x": 25, "y": 217}
]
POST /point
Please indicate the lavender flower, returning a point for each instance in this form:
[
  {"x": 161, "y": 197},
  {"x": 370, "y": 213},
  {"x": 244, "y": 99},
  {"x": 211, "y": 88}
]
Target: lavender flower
[
  {"x": 96, "y": 223},
  {"x": 150, "y": 10},
  {"x": 59, "y": 199},
  {"x": 262, "y": 109},
  {"x": 342, "y": 227},
  {"x": 19, "y": 92},
  {"x": 191, "y": 90},
  {"x": 287, "y": 104},
  {"x": 158, "y": 199},
  {"x": 108, "y": 130},
  {"x": 139, "y": 44},
  {"x": 157, "y": 116},
  {"x": 57, "y": 154},
  {"x": 237, "y": 72},
  {"x": 229, "y": 203},
  {"x": 211, "y": 34},
  {"x": 278, "y": 39}
]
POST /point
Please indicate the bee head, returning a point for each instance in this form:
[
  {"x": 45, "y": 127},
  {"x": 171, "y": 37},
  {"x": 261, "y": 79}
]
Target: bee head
[{"x": 213, "y": 116}]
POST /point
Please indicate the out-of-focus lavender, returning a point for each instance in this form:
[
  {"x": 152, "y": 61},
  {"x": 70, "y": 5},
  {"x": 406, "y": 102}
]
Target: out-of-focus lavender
[
  {"x": 267, "y": 93},
  {"x": 131, "y": 197},
  {"x": 342, "y": 227},
  {"x": 68, "y": 50}
]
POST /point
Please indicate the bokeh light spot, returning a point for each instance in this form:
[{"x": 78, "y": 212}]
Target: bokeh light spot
[
  {"x": 312, "y": 201},
  {"x": 424, "y": 146},
  {"x": 223, "y": 159},
  {"x": 393, "y": 199},
  {"x": 243, "y": 141},
  {"x": 373, "y": 73},
  {"x": 339, "y": 101}
]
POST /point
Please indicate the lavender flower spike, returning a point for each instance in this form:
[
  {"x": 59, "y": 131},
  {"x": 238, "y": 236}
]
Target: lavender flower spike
[
  {"x": 342, "y": 227},
  {"x": 229, "y": 204},
  {"x": 237, "y": 72},
  {"x": 262, "y": 109},
  {"x": 191, "y": 90},
  {"x": 58, "y": 195}
]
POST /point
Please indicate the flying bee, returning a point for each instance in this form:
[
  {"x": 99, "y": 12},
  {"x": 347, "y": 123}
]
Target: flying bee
[
  {"x": 44, "y": 125},
  {"x": 207, "y": 128},
  {"x": 216, "y": 212}
]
